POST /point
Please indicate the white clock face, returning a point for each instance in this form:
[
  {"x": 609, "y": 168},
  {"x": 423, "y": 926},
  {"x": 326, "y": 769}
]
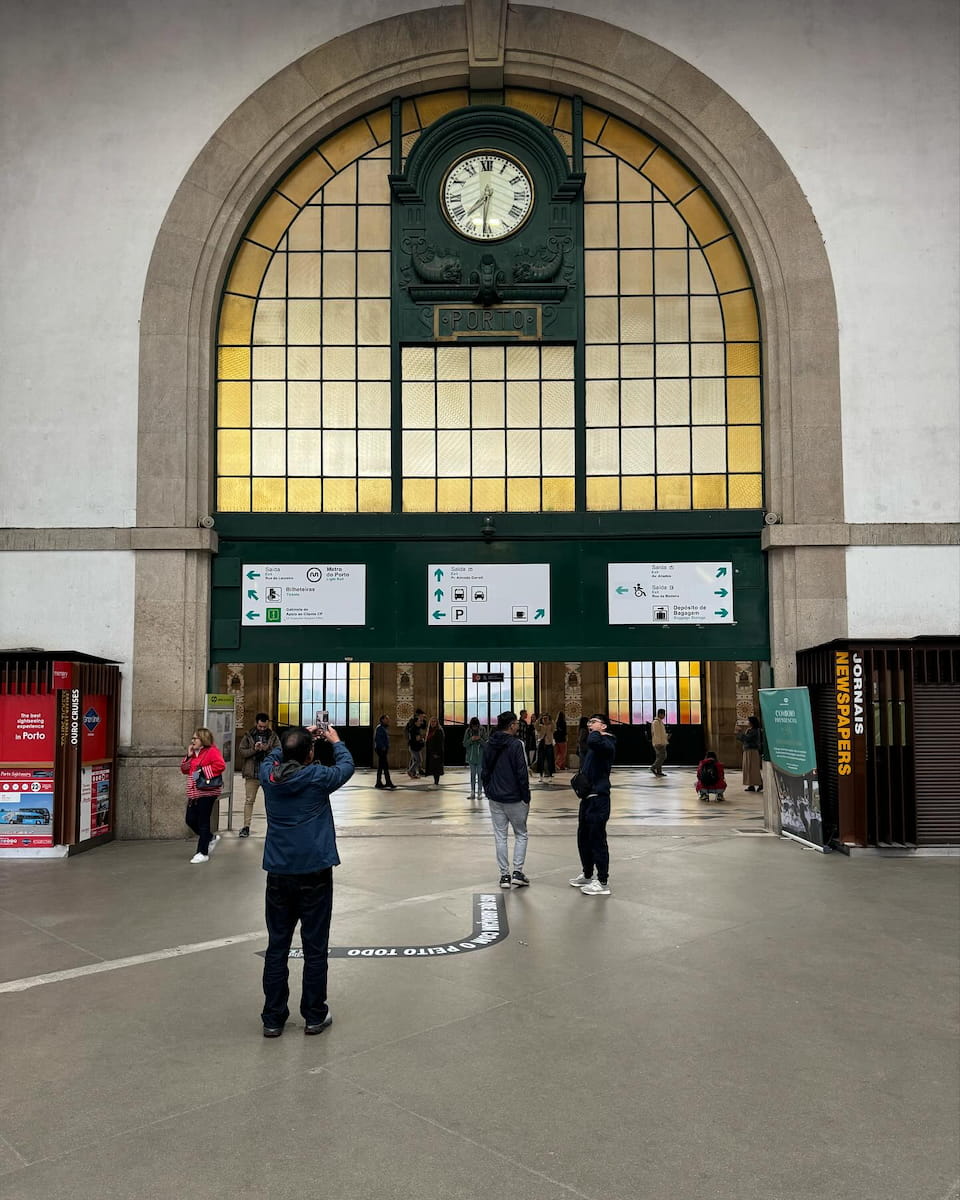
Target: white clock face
[{"x": 486, "y": 196}]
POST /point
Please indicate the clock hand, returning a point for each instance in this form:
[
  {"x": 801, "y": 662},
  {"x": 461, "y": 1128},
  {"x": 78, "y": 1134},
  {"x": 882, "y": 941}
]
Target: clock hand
[{"x": 486, "y": 209}]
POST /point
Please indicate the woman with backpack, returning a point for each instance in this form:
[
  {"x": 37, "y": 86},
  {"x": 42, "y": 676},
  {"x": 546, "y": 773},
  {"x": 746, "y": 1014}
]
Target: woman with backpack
[
  {"x": 751, "y": 740},
  {"x": 710, "y": 777}
]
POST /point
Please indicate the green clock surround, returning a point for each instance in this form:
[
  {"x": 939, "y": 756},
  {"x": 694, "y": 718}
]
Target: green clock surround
[{"x": 459, "y": 277}]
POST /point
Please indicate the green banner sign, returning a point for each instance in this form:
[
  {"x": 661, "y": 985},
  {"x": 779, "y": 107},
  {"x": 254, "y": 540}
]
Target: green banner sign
[{"x": 788, "y": 729}]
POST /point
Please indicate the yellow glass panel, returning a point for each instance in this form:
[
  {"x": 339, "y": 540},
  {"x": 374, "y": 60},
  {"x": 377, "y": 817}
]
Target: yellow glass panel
[
  {"x": 419, "y": 495},
  {"x": 613, "y": 670},
  {"x": 303, "y": 362},
  {"x": 558, "y": 495},
  {"x": 703, "y": 217},
  {"x": 339, "y": 405},
  {"x": 453, "y": 495},
  {"x": 373, "y": 453},
  {"x": 706, "y": 323},
  {"x": 343, "y": 188},
  {"x": 603, "y": 452},
  {"x": 233, "y": 362},
  {"x": 248, "y": 269},
  {"x": 638, "y": 493},
  {"x": 636, "y": 401},
  {"x": 603, "y": 402},
  {"x": 236, "y": 318},
  {"x": 270, "y": 362},
  {"x": 603, "y": 495},
  {"x": 303, "y": 495},
  {"x": 673, "y": 453},
  {"x": 626, "y": 142},
  {"x": 743, "y": 448},
  {"x": 746, "y": 491},
  {"x": 453, "y": 452},
  {"x": 636, "y": 225},
  {"x": 489, "y": 449},
  {"x": 740, "y": 316},
  {"x": 233, "y": 452},
  {"x": 601, "y": 181},
  {"x": 270, "y": 223},
  {"x": 726, "y": 262},
  {"x": 339, "y": 495},
  {"x": 269, "y": 495},
  {"x": 275, "y": 281},
  {"x": 633, "y": 186},
  {"x": 706, "y": 360},
  {"x": 743, "y": 358},
  {"x": 636, "y": 319},
  {"x": 348, "y": 144},
  {"x": 379, "y": 123},
  {"x": 373, "y": 186},
  {"x": 233, "y": 404},
  {"x": 665, "y": 173},
  {"x": 707, "y": 402},
  {"x": 339, "y": 274},
  {"x": 233, "y": 495},
  {"x": 269, "y": 407},
  {"x": 303, "y": 322},
  {"x": 593, "y": 121},
  {"x": 684, "y": 688},
  {"x": 373, "y": 274},
  {"x": 304, "y": 275},
  {"x": 305, "y": 179},
  {"x": 636, "y": 362},
  {"x": 373, "y": 227},
  {"x": 488, "y": 495},
  {"x": 373, "y": 362},
  {"x": 541, "y": 105},
  {"x": 743, "y": 401},
  {"x": 670, "y": 267},
  {"x": 600, "y": 225},
  {"x": 564, "y": 117},
  {"x": 600, "y": 273},
  {"x": 303, "y": 405},
  {"x": 672, "y": 319},
  {"x": 694, "y": 669},
  {"x": 673, "y": 491},
  {"x": 373, "y": 322},
  {"x": 340, "y": 226},
  {"x": 709, "y": 491},
  {"x": 523, "y": 495},
  {"x": 673, "y": 360},
  {"x": 409, "y": 117},
  {"x": 304, "y": 233},
  {"x": 269, "y": 325},
  {"x": 668, "y": 227},
  {"x": 374, "y": 495},
  {"x": 437, "y": 103},
  {"x": 709, "y": 450},
  {"x": 603, "y": 362},
  {"x": 673, "y": 402}
]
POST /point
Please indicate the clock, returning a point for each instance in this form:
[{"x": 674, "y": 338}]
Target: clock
[{"x": 486, "y": 195}]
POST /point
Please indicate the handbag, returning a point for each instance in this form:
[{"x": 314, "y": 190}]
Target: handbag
[
  {"x": 581, "y": 785},
  {"x": 204, "y": 784}
]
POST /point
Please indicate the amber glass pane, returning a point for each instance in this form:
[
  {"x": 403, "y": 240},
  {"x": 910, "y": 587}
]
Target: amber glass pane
[
  {"x": 726, "y": 261},
  {"x": 558, "y": 495},
  {"x": 603, "y": 495},
  {"x": 233, "y": 363},
  {"x": 340, "y": 495},
  {"x": 453, "y": 495},
  {"x": 300, "y": 184},
  {"x": 233, "y": 404},
  {"x": 746, "y": 491},
  {"x": 703, "y": 217},
  {"x": 523, "y": 495},
  {"x": 419, "y": 495},
  {"x": 304, "y": 233},
  {"x": 709, "y": 491},
  {"x": 667, "y": 175},
  {"x": 488, "y": 495},
  {"x": 743, "y": 448},
  {"x": 638, "y": 493},
  {"x": 373, "y": 495},
  {"x": 233, "y": 495},
  {"x": 673, "y": 491},
  {"x": 270, "y": 223},
  {"x": 626, "y": 142},
  {"x": 743, "y": 401},
  {"x": 303, "y": 495},
  {"x": 233, "y": 452},
  {"x": 269, "y": 495},
  {"x": 743, "y": 358}
]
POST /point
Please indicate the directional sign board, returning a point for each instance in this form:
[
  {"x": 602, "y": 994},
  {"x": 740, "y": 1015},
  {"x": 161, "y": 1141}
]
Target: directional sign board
[
  {"x": 670, "y": 593},
  {"x": 304, "y": 594},
  {"x": 471, "y": 594}
]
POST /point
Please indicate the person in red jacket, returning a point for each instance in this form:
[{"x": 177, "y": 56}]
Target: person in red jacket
[
  {"x": 710, "y": 777},
  {"x": 202, "y": 761}
]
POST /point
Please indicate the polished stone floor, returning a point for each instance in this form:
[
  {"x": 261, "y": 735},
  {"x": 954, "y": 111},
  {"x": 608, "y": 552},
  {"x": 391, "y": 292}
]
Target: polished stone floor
[{"x": 742, "y": 1019}]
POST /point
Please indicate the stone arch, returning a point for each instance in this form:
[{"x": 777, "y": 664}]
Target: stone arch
[{"x": 425, "y": 51}]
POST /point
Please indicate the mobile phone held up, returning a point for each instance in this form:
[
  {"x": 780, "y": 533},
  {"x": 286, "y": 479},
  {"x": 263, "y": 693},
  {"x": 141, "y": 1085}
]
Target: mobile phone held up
[{"x": 322, "y": 721}]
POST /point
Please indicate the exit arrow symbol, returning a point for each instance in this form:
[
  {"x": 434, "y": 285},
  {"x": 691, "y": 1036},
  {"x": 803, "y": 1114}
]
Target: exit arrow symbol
[
  {"x": 438, "y": 595},
  {"x": 621, "y": 590},
  {"x": 439, "y": 574},
  {"x": 437, "y": 615},
  {"x": 721, "y": 593},
  {"x": 538, "y": 614},
  {"x": 252, "y": 595},
  {"x": 720, "y": 612},
  {"x": 720, "y": 571},
  {"x": 252, "y": 616},
  {"x": 253, "y": 574}
]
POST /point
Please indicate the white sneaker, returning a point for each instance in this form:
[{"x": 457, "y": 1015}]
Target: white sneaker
[
  {"x": 596, "y": 888},
  {"x": 580, "y": 880},
  {"x": 213, "y": 844},
  {"x": 199, "y": 858}
]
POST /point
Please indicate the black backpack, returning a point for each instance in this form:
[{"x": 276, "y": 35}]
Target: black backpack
[{"x": 709, "y": 775}]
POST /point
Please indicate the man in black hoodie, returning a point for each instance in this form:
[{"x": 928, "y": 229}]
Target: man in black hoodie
[
  {"x": 595, "y": 810},
  {"x": 506, "y": 782}
]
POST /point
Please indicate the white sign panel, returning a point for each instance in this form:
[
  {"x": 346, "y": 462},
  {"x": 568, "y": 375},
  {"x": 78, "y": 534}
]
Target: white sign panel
[
  {"x": 304, "y": 594},
  {"x": 670, "y": 593},
  {"x": 467, "y": 594}
]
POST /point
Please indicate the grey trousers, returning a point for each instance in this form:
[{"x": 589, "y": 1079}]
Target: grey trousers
[
  {"x": 503, "y": 815},
  {"x": 661, "y": 753}
]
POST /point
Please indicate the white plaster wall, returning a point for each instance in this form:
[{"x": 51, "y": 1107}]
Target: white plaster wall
[
  {"x": 72, "y": 600},
  {"x": 903, "y": 591},
  {"x": 106, "y": 102}
]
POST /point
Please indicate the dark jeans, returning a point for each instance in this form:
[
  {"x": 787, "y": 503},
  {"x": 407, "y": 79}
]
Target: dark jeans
[
  {"x": 592, "y": 835},
  {"x": 198, "y": 819},
  {"x": 309, "y": 900},
  {"x": 383, "y": 770}
]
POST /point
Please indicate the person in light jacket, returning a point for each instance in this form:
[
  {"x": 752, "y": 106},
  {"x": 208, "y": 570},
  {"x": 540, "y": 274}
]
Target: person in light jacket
[
  {"x": 202, "y": 762},
  {"x": 474, "y": 740}
]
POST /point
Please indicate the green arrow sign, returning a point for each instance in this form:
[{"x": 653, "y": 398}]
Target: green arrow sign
[
  {"x": 720, "y": 612},
  {"x": 437, "y": 615},
  {"x": 720, "y": 571},
  {"x": 252, "y": 616},
  {"x": 721, "y": 593},
  {"x": 621, "y": 590},
  {"x": 439, "y": 574},
  {"x": 252, "y": 595},
  {"x": 538, "y": 614},
  {"x": 253, "y": 574},
  {"x": 438, "y": 595}
]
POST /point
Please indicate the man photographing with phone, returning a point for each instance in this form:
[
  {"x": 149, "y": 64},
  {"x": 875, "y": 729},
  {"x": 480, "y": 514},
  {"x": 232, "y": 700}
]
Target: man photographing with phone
[
  {"x": 299, "y": 856},
  {"x": 254, "y": 747}
]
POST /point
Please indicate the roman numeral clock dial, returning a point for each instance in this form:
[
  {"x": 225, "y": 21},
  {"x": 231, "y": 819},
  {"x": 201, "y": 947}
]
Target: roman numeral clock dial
[{"x": 486, "y": 196}]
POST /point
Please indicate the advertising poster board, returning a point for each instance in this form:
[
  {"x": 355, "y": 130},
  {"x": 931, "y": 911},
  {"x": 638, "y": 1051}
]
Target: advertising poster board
[
  {"x": 95, "y": 801},
  {"x": 219, "y": 716},
  {"x": 27, "y": 749},
  {"x": 788, "y": 728}
]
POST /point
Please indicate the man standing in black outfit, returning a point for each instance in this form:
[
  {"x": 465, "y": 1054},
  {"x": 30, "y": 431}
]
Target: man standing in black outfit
[
  {"x": 595, "y": 810},
  {"x": 299, "y": 856}
]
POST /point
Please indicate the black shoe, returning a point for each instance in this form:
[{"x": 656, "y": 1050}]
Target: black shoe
[
  {"x": 505, "y": 880},
  {"x": 749, "y": 788},
  {"x": 272, "y": 1030},
  {"x": 391, "y": 787},
  {"x": 245, "y": 831},
  {"x": 327, "y": 1021},
  {"x": 380, "y": 787},
  {"x": 520, "y": 880}
]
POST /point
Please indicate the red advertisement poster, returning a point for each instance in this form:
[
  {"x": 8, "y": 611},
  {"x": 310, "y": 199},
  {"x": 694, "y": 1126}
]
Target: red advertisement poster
[
  {"x": 26, "y": 806},
  {"x": 99, "y": 800},
  {"x": 93, "y": 729},
  {"x": 27, "y": 730}
]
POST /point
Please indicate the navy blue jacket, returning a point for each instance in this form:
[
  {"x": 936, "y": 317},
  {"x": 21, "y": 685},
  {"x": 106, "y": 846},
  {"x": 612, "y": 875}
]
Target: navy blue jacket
[
  {"x": 601, "y": 751},
  {"x": 504, "y": 772},
  {"x": 381, "y": 738},
  {"x": 300, "y": 833}
]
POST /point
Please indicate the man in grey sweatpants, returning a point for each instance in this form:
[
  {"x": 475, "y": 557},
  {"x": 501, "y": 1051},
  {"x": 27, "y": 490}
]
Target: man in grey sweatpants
[{"x": 506, "y": 782}]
